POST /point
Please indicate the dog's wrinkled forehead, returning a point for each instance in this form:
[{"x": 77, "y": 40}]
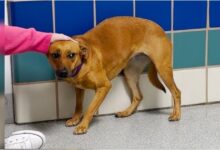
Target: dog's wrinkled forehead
[{"x": 64, "y": 46}]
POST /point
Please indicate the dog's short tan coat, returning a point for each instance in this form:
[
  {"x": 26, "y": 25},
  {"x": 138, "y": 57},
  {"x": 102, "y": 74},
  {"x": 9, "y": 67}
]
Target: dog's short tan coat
[{"x": 117, "y": 44}]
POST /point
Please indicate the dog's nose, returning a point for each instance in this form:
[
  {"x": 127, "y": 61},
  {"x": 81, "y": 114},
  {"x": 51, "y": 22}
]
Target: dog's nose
[{"x": 62, "y": 73}]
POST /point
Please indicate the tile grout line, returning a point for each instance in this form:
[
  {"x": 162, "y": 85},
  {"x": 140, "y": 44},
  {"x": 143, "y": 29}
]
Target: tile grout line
[
  {"x": 214, "y": 28},
  {"x": 172, "y": 24},
  {"x": 193, "y": 30},
  {"x": 189, "y": 30},
  {"x": 94, "y": 24},
  {"x": 53, "y": 16},
  {"x": 94, "y": 13},
  {"x": 56, "y": 81},
  {"x": 134, "y": 8},
  {"x": 172, "y": 40},
  {"x": 184, "y": 69},
  {"x": 33, "y": 83},
  {"x": 213, "y": 66},
  {"x": 206, "y": 49}
]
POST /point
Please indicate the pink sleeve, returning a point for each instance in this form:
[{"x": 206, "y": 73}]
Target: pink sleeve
[{"x": 15, "y": 40}]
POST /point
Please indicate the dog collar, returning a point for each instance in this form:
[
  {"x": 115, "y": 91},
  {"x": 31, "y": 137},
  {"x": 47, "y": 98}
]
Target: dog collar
[{"x": 76, "y": 70}]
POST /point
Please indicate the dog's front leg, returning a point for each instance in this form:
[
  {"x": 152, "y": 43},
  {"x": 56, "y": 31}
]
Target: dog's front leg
[
  {"x": 93, "y": 107},
  {"x": 78, "y": 109}
]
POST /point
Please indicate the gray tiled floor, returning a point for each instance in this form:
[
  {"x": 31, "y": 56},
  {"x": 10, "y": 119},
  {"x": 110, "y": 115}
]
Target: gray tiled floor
[{"x": 198, "y": 128}]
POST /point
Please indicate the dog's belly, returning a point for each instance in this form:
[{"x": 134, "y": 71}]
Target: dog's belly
[{"x": 137, "y": 63}]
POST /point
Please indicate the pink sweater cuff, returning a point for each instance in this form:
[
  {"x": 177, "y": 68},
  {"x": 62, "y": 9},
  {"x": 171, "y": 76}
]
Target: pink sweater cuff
[{"x": 42, "y": 42}]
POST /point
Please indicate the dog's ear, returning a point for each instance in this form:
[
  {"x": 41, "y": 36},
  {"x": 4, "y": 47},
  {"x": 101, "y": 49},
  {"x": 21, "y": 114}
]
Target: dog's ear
[{"x": 84, "y": 50}]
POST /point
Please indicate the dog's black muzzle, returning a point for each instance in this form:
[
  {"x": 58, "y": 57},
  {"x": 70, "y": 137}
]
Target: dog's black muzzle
[{"x": 62, "y": 73}]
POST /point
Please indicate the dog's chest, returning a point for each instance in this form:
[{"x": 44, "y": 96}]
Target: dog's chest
[{"x": 82, "y": 84}]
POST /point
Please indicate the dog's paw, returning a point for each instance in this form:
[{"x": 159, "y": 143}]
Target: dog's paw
[
  {"x": 81, "y": 129},
  {"x": 174, "y": 117},
  {"x": 72, "y": 122},
  {"x": 122, "y": 114}
]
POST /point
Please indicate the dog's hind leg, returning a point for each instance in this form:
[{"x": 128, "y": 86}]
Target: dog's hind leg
[
  {"x": 166, "y": 75},
  {"x": 132, "y": 73},
  {"x": 163, "y": 63}
]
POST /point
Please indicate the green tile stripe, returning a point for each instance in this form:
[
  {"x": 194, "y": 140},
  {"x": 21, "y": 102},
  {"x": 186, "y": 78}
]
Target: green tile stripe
[
  {"x": 214, "y": 47},
  {"x": 1, "y": 74},
  {"x": 32, "y": 67},
  {"x": 189, "y": 49}
]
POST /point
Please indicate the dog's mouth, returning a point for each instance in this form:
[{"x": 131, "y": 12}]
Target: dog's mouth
[
  {"x": 60, "y": 77},
  {"x": 62, "y": 74}
]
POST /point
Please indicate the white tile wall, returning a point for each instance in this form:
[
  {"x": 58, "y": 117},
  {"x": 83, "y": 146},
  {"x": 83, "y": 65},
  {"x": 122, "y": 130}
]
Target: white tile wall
[
  {"x": 213, "y": 84},
  {"x": 153, "y": 97},
  {"x": 117, "y": 99},
  {"x": 192, "y": 83},
  {"x": 34, "y": 102},
  {"x": 67, "y": 99}
]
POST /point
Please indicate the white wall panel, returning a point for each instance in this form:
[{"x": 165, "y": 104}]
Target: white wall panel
[
  {"x": 35, "y": 102},
  {"x": 117, "y": 99},
  {"x": 213, "y": 84},
  {"x": 153, "y": 97},
  {"x": 67, "y": 99},
  {"x": 192, "y": 83}
]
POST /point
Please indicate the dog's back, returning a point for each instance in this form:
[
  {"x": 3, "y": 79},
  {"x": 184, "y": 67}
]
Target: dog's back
[{"x": 120, "y": 38}]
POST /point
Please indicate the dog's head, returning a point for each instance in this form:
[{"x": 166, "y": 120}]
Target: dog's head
[{"x": 66, "y": 56}]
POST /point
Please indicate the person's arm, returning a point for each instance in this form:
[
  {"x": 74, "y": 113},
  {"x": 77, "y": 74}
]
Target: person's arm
[{"x": 15, "y": 40}]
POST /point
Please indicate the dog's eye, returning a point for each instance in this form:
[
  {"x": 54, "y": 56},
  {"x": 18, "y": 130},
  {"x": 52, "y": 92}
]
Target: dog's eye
[
  {"x": 55, "y": 55},
  {"x": 70, "y": 55}
]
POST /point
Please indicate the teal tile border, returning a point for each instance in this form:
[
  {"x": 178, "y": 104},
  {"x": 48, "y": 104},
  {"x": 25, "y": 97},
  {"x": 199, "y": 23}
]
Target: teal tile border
[
  {"x": 214, "y": 47},
  {"x": 1, "y": 74},
  {"x": 32, "y": 67},
  {"x": 189, "y": 49}
]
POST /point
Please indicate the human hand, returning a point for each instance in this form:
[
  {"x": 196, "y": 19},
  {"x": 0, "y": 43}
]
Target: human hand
[{"x": 57, "y": 37}]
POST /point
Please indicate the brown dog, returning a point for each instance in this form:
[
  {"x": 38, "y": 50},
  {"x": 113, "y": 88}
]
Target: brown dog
[{"x": 117, "y": 44}]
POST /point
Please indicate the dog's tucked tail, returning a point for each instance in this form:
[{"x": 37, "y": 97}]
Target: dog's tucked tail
[{"x": 152, "y": 74}]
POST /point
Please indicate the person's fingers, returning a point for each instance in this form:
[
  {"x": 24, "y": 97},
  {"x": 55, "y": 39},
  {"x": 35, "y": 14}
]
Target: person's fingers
[
  {"x": 57, "y": 37},
  {"x": 62, "y": 36}
]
